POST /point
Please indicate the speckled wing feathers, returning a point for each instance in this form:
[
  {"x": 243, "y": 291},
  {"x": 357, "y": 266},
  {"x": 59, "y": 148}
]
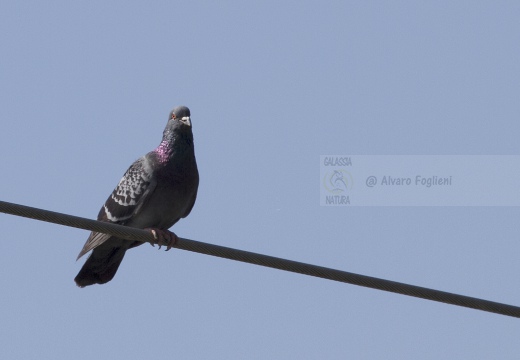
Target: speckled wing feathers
[
  {"x": 125, "y": 201},
  {"x": 127, "y": 197}
]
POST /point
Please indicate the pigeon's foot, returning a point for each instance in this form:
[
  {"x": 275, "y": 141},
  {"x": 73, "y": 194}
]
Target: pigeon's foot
[{"x": 163, "y": 237}]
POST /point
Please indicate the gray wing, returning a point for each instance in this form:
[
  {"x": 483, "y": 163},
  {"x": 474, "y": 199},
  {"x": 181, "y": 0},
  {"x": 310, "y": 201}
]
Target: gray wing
[{"x": 126, "y": 200}]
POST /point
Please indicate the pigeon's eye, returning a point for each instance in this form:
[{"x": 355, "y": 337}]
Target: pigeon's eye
[{"x": 173, "y": 116}]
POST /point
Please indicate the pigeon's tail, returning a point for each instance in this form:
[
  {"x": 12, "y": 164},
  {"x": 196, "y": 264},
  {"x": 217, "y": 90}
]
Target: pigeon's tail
[{"x": 101, "y": 266}]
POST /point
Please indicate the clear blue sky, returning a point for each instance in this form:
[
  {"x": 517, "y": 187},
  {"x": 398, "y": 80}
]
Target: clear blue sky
[{"x": 85, "y": 89}]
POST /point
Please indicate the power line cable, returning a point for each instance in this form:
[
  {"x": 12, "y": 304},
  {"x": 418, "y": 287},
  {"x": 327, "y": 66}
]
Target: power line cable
[{"x": 263, "y": 260}]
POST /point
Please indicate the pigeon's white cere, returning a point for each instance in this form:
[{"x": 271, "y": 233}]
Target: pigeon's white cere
[{"x": 187, "y": 120}]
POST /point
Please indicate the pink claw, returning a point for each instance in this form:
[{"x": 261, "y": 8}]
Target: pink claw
[{"x": 163, "y": 237}]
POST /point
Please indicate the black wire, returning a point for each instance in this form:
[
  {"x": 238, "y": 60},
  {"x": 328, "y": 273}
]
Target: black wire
[{"x": 264, "y": 260}]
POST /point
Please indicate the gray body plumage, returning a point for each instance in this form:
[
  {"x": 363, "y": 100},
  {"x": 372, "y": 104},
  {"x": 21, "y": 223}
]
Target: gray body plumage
[{"x": 155, "y": 192}]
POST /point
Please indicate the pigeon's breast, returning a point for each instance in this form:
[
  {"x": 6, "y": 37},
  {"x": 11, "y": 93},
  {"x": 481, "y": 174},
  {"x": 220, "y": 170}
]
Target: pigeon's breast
[{"x": 171, "y": 199}]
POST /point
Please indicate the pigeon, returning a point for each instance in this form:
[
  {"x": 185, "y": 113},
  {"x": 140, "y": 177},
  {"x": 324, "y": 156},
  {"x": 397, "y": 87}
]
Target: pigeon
[{"x": 156, "y": 191}]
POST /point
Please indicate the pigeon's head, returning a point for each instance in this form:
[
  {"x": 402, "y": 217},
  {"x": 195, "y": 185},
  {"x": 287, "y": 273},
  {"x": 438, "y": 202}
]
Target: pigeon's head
[
  {"x": 179, "y": 125},
  {"x": 180, "y": 116}
]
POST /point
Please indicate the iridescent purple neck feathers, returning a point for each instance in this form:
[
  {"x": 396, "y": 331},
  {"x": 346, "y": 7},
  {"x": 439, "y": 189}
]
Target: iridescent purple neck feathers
[
  {"x": 177, "y": 141},
  {"x": 164, "y": 151}
]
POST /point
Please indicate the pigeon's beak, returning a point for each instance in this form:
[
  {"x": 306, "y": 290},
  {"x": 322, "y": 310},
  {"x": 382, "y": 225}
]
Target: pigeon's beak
[{"x": 186, "y": 120}]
